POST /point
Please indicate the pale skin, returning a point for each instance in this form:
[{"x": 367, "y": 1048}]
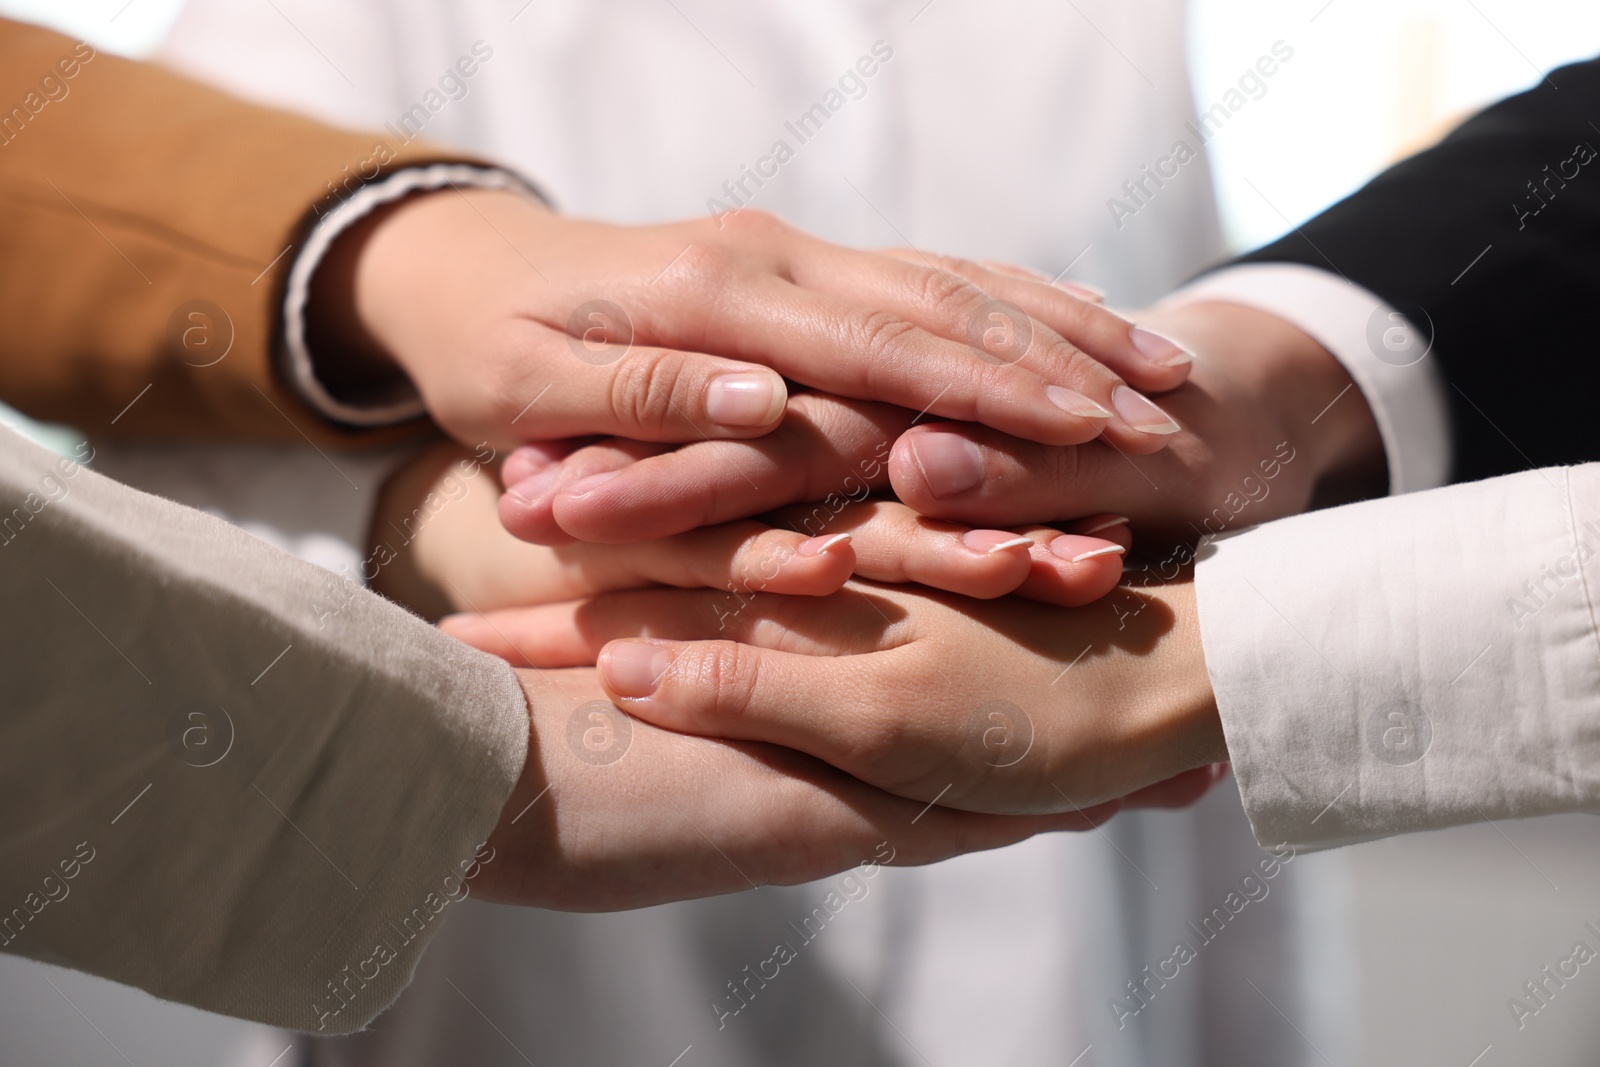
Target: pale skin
[
  {"x": 1260, "y": 390},
  {"x": 486, "y": 302},
  {"x": 883, "y": 682},
  {"x": 679, "y": 816}
]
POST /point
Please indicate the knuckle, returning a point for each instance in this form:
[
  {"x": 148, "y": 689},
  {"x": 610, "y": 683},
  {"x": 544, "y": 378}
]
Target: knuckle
[
  {"x": 644, "y": 390},
  {"x": 879, "y": 335},
  {"x": 727, "y": 673},
  {"x": 949, "y": 294}
]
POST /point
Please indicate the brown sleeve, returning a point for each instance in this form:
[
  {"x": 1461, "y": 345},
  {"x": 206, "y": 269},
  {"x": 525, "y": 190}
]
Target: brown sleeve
[{"x": 129, "y": 194}]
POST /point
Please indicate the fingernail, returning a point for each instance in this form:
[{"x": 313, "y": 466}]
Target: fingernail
[
  {"x": 634, "y": 668},
  {"x": 1158, "y": 349},
  {"x": 1075, "y": 548},
  {"x": 525, "y": 461},
  {"x": 532, "y": 488},
  {"x": 1118, "y": 520},
  {"x": 587, "y": 485},
  {"x": 950, "y": 463},
  {"x": 1137, "y": 411},
  {"x": 989, "y": 542},
  {"x": 817, "y": 546},
  {"x": 1084, "y": 292},
  {"x": 746, "y": 399},
  {"x": 1075, "y": 403}
]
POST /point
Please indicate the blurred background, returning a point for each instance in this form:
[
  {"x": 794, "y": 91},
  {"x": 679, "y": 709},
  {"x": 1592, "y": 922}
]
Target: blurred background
[{"x": 1421, "y": 941}]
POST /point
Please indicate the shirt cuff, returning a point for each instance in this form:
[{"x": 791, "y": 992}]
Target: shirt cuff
[
  {"x": 299, "y": 363},
  {"x": 1413, "y": 662},
  {"x": 1377, "y": 345}
]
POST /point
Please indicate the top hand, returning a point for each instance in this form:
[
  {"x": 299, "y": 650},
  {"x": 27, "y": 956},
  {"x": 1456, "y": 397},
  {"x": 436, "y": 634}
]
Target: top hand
[
  {"x": 517, "y": 324},
  {"x": 1270, "y": 421}
]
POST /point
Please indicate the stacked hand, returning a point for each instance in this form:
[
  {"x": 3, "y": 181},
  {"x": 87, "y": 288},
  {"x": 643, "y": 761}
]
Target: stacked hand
[{"x": 818, "y": 679}]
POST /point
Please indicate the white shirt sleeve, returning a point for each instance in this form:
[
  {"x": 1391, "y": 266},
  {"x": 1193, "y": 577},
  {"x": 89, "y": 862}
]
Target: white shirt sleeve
[
  {"x": 1381, "y": 350},
  {"x": 1412, "y": 662},
  {"x": 299, "y": 364}
]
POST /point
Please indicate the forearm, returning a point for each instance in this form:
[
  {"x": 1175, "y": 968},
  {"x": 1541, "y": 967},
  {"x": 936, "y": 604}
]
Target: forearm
[{"x": 272, "y": 769}]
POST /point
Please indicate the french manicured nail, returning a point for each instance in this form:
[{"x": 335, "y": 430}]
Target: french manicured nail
[
  {"x": 1158, "y": 349},
  {"x": 1111, "y": 523},
  {"x": 530, "y": 489},
  {"x": 1075, "y": 548},
  {"x": 819, "y": 546},
  {"x": 950, "y": 464},
  {"x": 1075, "y": 403},
  {"x": 589, "y": 484},
  {"x": 989, "y": 542},
  {"x": 745, "y": 399},
  {"x": 634, "y": 668},
  {"x": 1137, "y": 411}
]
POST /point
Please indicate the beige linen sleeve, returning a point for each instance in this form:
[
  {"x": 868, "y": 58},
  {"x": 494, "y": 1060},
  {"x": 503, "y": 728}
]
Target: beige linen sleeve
[{"x": 228, "y": 777}]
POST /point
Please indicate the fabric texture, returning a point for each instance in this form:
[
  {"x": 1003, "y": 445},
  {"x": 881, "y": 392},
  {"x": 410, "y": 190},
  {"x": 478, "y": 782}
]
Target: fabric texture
[
  {"x": 1414, "y": 662},
  {"x": 229, "y": 778},
  {"x": 175, "y": 211}
]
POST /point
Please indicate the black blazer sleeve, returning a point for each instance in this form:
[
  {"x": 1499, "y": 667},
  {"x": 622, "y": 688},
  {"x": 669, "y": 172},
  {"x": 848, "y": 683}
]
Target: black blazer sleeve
[{"x": 1490, "y": 241}]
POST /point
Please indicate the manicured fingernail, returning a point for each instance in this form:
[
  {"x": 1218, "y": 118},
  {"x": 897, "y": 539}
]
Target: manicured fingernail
[
  {"x": 1084, "y": 292},
  {"x": 817, "y": 546},
  {"x": 1075, "y": 403},
  {"x": 587, "y": 485},
  {"x": 989, "y": 542},
  {"x": 1075, "y": 548},
  {"x": 1137, "y": 411},
  {"x": 746, "y": 399},
  {"x": 531, "y": 489},
  {"x": 1158, "y": 349},
  {"x": 950, "y": 464},
  {"x": 1117, "y": 520},
  {"x": 634, "y": 668}
]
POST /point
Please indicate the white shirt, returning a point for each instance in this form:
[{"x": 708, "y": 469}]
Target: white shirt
[
  {"x": 991, "y": 132},
  {"x": 1411, "y": 663}
]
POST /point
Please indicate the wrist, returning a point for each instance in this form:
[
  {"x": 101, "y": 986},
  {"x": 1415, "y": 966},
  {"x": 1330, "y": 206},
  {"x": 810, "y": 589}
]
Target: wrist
[{"x": 1321, "y": 411}]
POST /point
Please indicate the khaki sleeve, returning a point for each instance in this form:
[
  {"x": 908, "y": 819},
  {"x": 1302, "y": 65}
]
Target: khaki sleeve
[
  {"x": 228, "y": 777},
  {"x": 147, "y": 226}
]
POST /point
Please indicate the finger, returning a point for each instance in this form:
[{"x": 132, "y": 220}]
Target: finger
[
  {"x": 972, "y": 474},
  {"x": 1069, "y": 569},
  {"x": 1144, "y": 358},
  {"x": 892, "y": 543},
  {"x": 524, "y": 461},
  {"x": 1108, "y": 527},
  {"x": 735, "y": 815},
  {"x": 610, "y": 384},
  {"x": 832, "y": 707},
  {"x": 741, "y": 557},
  {"x": 893, "y": 356},
  {"x": 526, "y": 507},
  {"x": 1080, "y": 290},
  {"x": 999, "y": 337},
  {"x": 572, "y": 633},
  {"x": 826, "y": 450}
]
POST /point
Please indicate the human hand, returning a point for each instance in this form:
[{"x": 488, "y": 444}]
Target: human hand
[
  {"x": 613, "y": 813},
  {"x": 516, "y": 323},
  {"x": 1270, "y": 421},
  {"x": 437, "y": 546},
  {"x": 1002, "y": 707}
]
